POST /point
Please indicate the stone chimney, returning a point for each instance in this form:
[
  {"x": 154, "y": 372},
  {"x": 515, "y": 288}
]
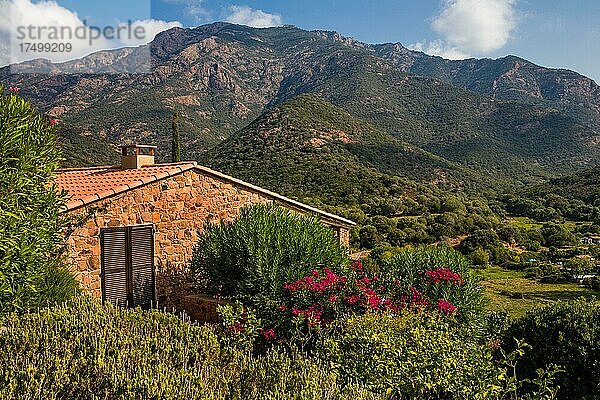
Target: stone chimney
[{"x": 136, "y": 156}]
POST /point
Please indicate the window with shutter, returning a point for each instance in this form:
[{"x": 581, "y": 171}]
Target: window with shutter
[{"x": 127, "y": 258}]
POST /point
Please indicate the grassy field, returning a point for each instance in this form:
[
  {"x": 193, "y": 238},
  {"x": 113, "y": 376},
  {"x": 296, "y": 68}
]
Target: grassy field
[
  {"x": 524, "y": 223},
  {"x": 512, "y": 292},
  {"x": 528, "y": 223}
]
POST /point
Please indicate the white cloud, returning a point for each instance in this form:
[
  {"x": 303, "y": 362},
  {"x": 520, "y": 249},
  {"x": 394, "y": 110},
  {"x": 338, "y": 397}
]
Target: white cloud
[
  {"x": 471, "y": 27},
  {"x": 152, "y": 27},
  {"x": 478, "y": 26},
  {"x": 244, "y": 15},
  {"x": 16, "y": 16},
  {"x": 193, "y": 9},
  {"x": 439, "y": 48}
]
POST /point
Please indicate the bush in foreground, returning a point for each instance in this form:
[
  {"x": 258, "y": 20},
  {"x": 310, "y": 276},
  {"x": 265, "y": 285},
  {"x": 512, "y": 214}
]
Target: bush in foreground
[
  {"x": 84, "y": 350},
  {"x": 565, "y": 334},
  {"x": 439, "y": 273},
  {"x": 323, "y": 297},
  {"x": 421, "y": 356},
  {"x": 252, "y": 257},
  {"x": 31, "y": 268}
]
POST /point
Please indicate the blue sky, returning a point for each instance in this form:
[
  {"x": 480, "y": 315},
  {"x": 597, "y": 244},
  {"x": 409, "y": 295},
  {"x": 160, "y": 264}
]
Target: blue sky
[{"x": 554, "y": 33}]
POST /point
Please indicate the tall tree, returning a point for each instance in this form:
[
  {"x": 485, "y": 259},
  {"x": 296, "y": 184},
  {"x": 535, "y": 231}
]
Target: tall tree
[
  {"x": 175, "y": 140},
  {"x": 32, "y": 272}
]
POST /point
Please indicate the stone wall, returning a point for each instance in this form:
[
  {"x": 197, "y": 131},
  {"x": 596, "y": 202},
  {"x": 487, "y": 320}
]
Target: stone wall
[
  {"x": 344, "y": 236},
  {"x": 178, "y": 207}
]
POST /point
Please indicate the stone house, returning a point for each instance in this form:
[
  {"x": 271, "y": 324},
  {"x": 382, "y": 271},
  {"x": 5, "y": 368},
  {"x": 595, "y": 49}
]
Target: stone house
[{"x": 139, "y": 223}]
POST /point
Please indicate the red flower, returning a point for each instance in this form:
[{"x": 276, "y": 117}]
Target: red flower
[
  {"x": 390, "y": 305},
  {"x": 269, "y": 334},
  {"x": 237, "y": 327},
  {"x": 53, "y": 121},
  {"x": 446, "y": 307},
  {"x": 363, "y": 282},
  {"x": 417, "y": 298},
  {"x": 351, "y": 300},
  {"x": 297, "y": 311},
  {"x": 332, "y": 298},
  {"x": 315, "y": 283},
  {"x": 14, "y": 89},
  {"x": 282, "y": 308},
  {"x": 357, "y": 266},
  {"x": 443, "y": 275}
]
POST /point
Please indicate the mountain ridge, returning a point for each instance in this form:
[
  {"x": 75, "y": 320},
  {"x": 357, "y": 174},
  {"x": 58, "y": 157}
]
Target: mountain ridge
[{"x": 223, "y": 76}]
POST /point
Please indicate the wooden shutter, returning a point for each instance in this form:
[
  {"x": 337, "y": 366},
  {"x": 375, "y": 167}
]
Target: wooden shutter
[
  {"x": 113, "y": 244},
  {"x": 127, "y": 255},
  {"x": 142, "y": 265}
]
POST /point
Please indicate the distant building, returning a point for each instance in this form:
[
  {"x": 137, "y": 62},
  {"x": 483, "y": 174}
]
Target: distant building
[
  {"x": 591, "y": 240},
  {"x": 140, "y": 223}
]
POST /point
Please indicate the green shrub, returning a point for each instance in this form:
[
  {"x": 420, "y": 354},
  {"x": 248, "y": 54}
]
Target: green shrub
[
  {"x": 486, "y": 239},
  {"x": 410, "y": 266},
  {"x": 496, "y": 324},
  {"x": 565, "y": 334},
  {"x": 592, "y": 283},
  {"x": 480, "y": 257},
  {"x": 84, "y": 350},
  {"x": 31, "y": 226},
  {"x": 420, "y": 356},
  {"x": 252, "y": 257},
  {"x": 578, "y": 266},
  {"x": 547, "y": 273}
]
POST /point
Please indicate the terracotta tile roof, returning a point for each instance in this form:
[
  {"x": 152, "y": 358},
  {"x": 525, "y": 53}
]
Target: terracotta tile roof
[{"x": 88, "y": 185}]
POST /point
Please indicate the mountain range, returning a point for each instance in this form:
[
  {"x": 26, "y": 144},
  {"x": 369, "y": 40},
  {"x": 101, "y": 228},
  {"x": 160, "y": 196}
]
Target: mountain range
[{"x": 259, "y": 103}]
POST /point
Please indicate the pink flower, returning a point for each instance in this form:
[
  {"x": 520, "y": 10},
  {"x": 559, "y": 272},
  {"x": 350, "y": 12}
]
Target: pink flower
[
  {"x": 297, "y": 311},
  {"x": 374, "y": 301},
  {"x": 315, "y": 283},
  {"x": 417, "y": 298},
  {"x": 357, "y": 266},
  {"x": 446, "y": 307},
  {"x": 351, "y": 300},
  {"x": 332, "y": 298},
  {"x": 388, "y": 304},
  {"x": 443, "y": 275},
  {"x": 53, "y": 121},
  {"x": 269, "y": 334},
  {"x": 14, "y": 89}
]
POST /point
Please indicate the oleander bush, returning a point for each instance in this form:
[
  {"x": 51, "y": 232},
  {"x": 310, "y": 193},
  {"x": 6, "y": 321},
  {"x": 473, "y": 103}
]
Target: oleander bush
[
  {"x": 440, "y": 273},
  {"x": 416, "y": 280},
  {"x": 312, "y": 303},
  {"x": 568, "y": 335},
  {"x": 32, "y": 271},
  {"x": 83, "y": 350},
  {"x": 251, "y": 258}
]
